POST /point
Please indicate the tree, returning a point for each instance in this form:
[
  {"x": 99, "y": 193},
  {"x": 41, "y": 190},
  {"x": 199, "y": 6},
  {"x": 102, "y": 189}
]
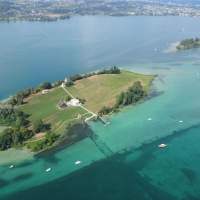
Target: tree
[
  {"x": 46, "y": 85},
  {"x": 68, "y": 98},
  {"x": 50, "y": 138},
  {"x": 132, "y": 95},
  {"x": 6, "y": 139},
  {"x": 120, "y": 100},
  {"x": 69, "y": 83},
  {"x": 105, "y": 110},
  {"x": 38, "y": 126}
]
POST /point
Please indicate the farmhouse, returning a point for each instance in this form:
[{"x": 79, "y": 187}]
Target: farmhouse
[
  {"x": 74, "y": 102},
  {"x": 45, "y": 91}
]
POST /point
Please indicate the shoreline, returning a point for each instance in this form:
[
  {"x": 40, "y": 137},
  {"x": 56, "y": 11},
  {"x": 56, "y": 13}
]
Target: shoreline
[{"x": 90, "y": 15}]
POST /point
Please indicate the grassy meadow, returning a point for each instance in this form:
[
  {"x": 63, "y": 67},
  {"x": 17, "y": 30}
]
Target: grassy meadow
[
  {"x": 102, "y": 90},
  {"x": 2, "y": 128},
  {"x": 45, "y": 107}
]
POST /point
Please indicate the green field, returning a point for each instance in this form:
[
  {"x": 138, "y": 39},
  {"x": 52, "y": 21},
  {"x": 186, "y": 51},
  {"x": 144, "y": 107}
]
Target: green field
[
  {"x": 102, "y": 90},
  {"x": 2, "y": 128},
  {"x": 45, "y": 107}
]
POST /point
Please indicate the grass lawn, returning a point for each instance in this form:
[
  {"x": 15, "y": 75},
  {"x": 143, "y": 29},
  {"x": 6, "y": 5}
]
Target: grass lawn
[
  {"x": 2, "y": 128},
  {"x": 45, "y": 107},
  {"x": 102, "y": 90}
]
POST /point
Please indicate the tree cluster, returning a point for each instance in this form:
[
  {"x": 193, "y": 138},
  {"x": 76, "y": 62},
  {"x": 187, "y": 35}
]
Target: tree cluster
[
  {"x": 18, "y": 99},
  {"x": 40, "y": 126},
  {"x": 105, "y": 110},
  {"x": 19, "y": 128},
  {"x": 76, "y": 77},
  {"x": 11, "y": 116},
  {"x": 189, "y": 44},
  {"x": 132, "y": 95},
  {"x": 14, "y": 136},
  {"x": 48, "y": 141}
]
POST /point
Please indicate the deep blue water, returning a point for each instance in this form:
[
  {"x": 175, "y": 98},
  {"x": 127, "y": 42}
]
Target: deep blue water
[{"x": 34, "y": 52}]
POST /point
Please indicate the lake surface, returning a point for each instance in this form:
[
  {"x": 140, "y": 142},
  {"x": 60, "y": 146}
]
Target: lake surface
[{"x": 125, "y": 162}]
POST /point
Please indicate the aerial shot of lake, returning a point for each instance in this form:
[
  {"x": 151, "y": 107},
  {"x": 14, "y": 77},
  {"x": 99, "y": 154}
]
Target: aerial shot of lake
[{"x": 125, "y": 162}]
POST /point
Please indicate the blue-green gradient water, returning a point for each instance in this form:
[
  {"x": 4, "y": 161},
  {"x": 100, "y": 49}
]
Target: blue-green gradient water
[{"x": 125, "y": 162}]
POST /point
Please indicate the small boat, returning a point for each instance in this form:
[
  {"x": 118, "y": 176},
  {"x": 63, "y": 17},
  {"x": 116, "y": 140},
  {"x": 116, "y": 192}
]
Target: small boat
[
  {"x": 162, "y": 145},
  {"x": 48, "y": 170},
  {"x": 181, "y": 121},
  {"x": 11, "y": 166},
  {"x": 77, "y": 162},
  {"x": 149, "y": 119}
]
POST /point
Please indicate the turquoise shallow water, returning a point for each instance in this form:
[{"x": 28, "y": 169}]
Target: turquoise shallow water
[
  {"x": 145, "y": 172},
  {"x": 125, "y": 162}
]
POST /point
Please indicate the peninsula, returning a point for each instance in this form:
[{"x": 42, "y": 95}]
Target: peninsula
[
  {"x": 188, "y": 44},
  {"x": 53, "y": 113}
]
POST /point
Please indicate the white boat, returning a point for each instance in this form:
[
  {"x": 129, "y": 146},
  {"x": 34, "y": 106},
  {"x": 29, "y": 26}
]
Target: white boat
[
  {"x": 162, "y": 145},
  {"x": 149, "y": 119},
  {"x": 77, "y": 162},
  {"x": 181, "y": 121},
  {"x": 11, "y": 166},
  {"x": 48, "y": 170}
]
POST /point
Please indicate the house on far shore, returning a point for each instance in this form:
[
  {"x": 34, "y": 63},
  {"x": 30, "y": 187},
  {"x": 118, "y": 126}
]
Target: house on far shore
[{"x": 46, "y": 91}]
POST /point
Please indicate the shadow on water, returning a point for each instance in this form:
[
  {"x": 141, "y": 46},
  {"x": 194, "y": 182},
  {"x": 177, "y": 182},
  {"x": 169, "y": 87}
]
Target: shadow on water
[
  {"x": 77, "y": 131},
  {"x": 110, "y": 179},
  {"x": 190, "y": 174},
  {"x": 3, "y": 183},
  {"x": 22, "y": 177}
]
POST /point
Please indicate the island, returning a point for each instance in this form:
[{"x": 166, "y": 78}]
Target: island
[
  {"x": 55, "y": 113},
  {"x": 190, "y": 43}
]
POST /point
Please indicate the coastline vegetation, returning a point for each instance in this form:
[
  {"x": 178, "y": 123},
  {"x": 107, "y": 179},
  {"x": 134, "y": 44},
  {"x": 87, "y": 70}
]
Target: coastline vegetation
[
  {"x": 188, "y": 44},
  {"x": 134, "y": 94},
  {"x": 34, "y": 120}
]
